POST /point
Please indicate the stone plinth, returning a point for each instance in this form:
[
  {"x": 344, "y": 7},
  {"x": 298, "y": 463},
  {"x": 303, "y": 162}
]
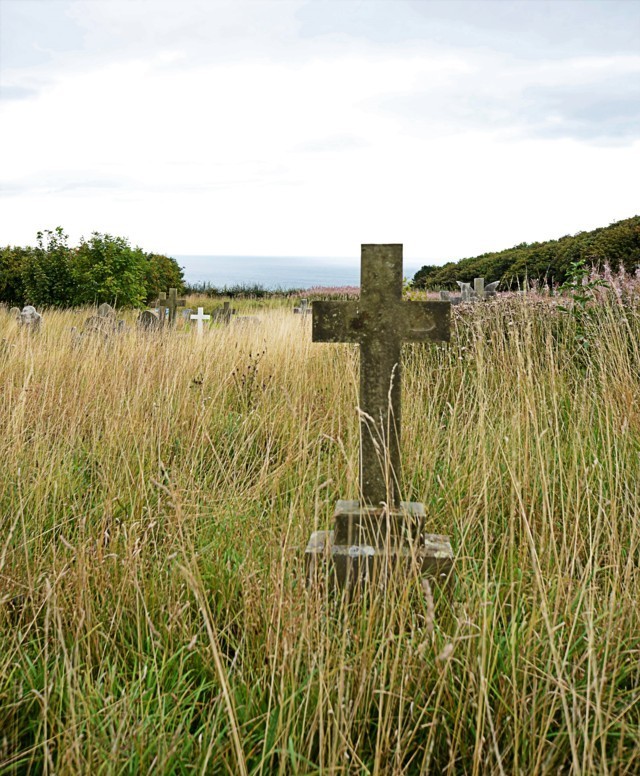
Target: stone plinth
[{"x": 368, "y": 544}]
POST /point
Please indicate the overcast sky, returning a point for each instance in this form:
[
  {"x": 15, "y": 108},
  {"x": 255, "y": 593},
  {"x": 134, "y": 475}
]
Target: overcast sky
[{"x": 307, "y": 127}]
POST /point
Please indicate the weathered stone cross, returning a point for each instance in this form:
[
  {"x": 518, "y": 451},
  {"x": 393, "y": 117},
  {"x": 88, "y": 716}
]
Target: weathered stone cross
[
  {"x": 200, "y": 317},
  {"x": 173, "y": 303},
  {"x": 161, "y": 304},
  {"x": 379, "y": 532},
  {"x": 380, "y": 322}
]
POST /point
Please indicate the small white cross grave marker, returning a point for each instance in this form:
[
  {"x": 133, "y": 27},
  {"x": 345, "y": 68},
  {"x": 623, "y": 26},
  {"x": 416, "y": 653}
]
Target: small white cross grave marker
[{"x": 200, "y": 317}]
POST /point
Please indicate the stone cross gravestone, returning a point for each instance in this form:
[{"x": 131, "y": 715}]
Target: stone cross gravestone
[
  {"x": 173, "y": 302},
  {"x": 162, "y": 307},
  {"x": 379, "y": 527},
  {"x": 303, "y": 309},
  {"x": 200, "y": 317},
  {"x": 223, "y": 314}
]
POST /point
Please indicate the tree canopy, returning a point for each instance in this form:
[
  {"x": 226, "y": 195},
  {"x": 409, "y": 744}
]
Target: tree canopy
[
  {"x": 617, "y": 244},
  {"x": 100, "y": 269}
]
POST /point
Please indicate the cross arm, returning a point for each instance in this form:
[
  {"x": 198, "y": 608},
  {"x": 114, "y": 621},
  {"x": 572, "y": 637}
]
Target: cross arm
[
  {"x": 336, "y": 321},
  {"x": 426, "y": 321}
]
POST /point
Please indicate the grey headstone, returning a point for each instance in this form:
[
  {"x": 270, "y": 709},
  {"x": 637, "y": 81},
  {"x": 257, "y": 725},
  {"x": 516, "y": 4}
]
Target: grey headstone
[
  {"x": 149, "y": 320},
  {"x": 465, "y": 290},
  {"x": 15, "y": 312},
  {"x": 106, "y": 311},
  {"x": 30, "y": 318}
]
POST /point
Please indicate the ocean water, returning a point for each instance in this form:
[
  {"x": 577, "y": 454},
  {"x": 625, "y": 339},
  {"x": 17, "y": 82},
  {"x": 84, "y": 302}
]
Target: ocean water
[{"x": 275, "y": 272}]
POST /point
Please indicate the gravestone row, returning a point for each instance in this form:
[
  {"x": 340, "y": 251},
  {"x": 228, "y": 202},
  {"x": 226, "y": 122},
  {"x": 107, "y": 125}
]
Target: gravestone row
[
  {"x": 471, "y": 294},
  {"x": 28, "y": 318}
]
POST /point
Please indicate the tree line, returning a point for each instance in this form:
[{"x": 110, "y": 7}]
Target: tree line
[
  {"x": 549, "y": 262},
  {"x": 100, "y": 269}
]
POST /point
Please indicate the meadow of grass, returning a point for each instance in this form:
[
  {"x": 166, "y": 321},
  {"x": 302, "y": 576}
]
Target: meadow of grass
[{"x": 157, "y": 494}]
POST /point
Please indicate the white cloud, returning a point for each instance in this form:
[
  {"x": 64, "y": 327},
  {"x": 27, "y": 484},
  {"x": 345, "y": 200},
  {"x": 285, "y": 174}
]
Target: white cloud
[{"x": 248, "y": 128}]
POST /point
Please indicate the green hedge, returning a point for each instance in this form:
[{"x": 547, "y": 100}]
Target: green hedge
[{"x": 617, "y": 244}]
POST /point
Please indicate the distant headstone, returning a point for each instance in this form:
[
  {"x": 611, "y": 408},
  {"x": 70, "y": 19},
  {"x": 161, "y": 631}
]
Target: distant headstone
[
  {"x": 15, "y": 312},
  {"x": 200, "y": 317},
  {"x": 303, "y": 309},
  {"x": 106, "y": 311},
  {"x": 491, "y": 289},
  {"x": 103, "y": 323},
  {"x": 148, "y": 320},
  {"x": 246, "y": 321},
  {"x": 471, "y": 294},
  {"x": 379, "y": 531},
  {"x": 186, "y": 313},
  {"x": 223, "y": 314},
  {"x": 30, "y": 318},
  {"x": 465, "y": 291}
]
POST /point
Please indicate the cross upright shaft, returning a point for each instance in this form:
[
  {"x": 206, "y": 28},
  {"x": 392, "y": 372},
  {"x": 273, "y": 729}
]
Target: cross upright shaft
[{"x": 380, "y": 322}]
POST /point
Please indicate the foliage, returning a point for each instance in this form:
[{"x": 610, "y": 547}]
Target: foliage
[
  {"x": 580, "y": 288},
  {"x": 12, "y": 262},
  {"x": 103, "y": 268},
  {"x": 161, "y": 273},
  {"x": 47, "y": 271},
  {"x": 107, "y": 269},
  {"x": 551, "y": 261}
]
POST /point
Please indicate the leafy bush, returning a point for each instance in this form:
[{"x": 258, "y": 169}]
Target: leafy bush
[
  {"x": 12, "y": 261},
  {"x": 108, "y": 269},
  {"x": 103, "y": 268},
  {"x": 161, "y": 273},
  {"x": 47, "y": 272}
]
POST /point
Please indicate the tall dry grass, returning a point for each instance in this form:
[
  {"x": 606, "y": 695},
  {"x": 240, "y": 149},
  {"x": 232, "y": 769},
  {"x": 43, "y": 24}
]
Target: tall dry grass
[{"x": 156, "y": 497}]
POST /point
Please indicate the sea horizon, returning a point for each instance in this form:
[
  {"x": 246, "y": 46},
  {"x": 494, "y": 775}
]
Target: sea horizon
[{"x": 276, "y": 272}]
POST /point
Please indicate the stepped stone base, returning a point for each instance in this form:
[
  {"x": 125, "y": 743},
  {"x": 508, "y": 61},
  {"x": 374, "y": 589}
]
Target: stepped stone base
[{"x": 369, "y": 544}]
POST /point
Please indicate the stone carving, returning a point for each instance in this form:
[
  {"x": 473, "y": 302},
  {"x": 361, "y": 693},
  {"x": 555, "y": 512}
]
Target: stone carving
[
  {"x": 200, "y": 318},
  {"x": 30, "y": 318},
  {"x": 379, "y": 527},
  {"x": 471, "y": 294}
]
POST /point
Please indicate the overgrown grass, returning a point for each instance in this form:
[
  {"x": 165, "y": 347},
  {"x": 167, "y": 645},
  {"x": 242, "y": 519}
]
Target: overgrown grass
[{"x": 157, "y": 494}]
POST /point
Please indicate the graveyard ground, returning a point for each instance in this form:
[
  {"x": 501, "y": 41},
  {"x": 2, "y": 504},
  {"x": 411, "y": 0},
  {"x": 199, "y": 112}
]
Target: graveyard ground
[{"x": 157, "y": 494}]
